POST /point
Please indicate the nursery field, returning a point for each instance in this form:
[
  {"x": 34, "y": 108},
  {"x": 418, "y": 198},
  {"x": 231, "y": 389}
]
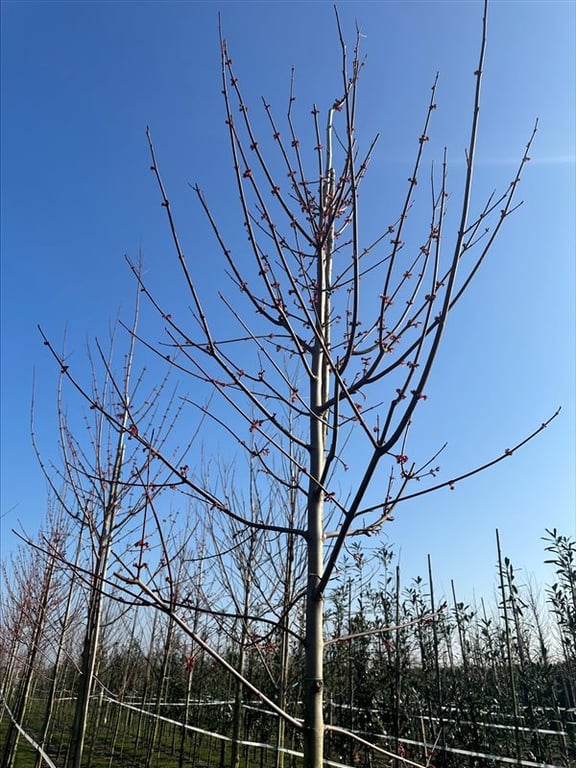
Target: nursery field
[
  {"x": 120, "y": 735},
  {"x": 409, "y": 680}
]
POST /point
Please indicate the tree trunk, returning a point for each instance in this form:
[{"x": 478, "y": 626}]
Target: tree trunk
[
  {"x": 161, "y": 693},
  {"x": 237, "y": 714},
  {"x": 313, "y": 679},
  {"x": 90, "y": 644},
  {"x": 319, "y": 393}
]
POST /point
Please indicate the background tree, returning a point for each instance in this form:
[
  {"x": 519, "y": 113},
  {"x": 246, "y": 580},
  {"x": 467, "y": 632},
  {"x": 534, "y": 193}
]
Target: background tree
[
  {"x": 34, "y": 592},
  {"x": 102, "y": 491}
]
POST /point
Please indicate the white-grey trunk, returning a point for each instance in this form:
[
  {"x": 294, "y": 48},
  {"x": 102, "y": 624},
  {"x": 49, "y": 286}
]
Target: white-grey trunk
[
  {"x": 319, "y": 393},
  {"x": 314, "y": 651}
]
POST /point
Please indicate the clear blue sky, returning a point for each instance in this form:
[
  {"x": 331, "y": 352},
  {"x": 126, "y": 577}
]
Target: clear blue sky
[{"x": 80, "y": 83}]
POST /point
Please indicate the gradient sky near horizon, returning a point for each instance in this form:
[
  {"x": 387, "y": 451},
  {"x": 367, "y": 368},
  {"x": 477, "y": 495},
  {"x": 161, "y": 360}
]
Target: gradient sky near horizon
[{"x": 82, "y": 80}]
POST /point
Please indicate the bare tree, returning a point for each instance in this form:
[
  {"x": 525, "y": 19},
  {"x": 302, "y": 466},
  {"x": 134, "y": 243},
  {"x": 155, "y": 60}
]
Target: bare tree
[
  {"x": 29, "y": 626},
  {"x": 100, "y": 486},
  {"x": 318, "y": 368}
]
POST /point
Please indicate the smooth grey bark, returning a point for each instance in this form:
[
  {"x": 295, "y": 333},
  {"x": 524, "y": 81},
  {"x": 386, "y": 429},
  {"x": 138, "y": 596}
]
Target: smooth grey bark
[{"x": 320, "y": 388}]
